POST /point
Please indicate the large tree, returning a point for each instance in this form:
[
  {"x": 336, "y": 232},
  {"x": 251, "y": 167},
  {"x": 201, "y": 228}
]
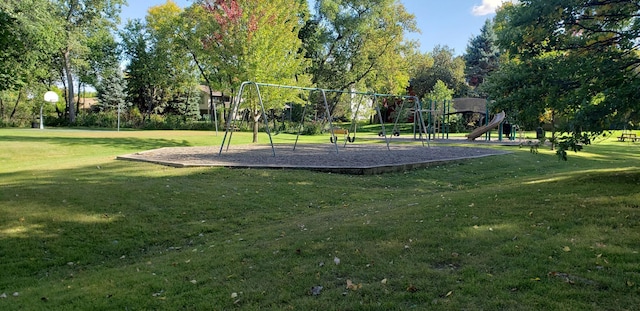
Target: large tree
[
  {"x": 11, "y": 52},
  {"x": 438, "y": 65},
  {"x": 180, "y": 77},
  {"x": 111, "y": 91},
  {"x": 28, "y": 37},
  {"x": 576, "y": 60},
  {"x": 482, "y": 55},
  {"x": 161, "y": 78},
  {"x": 253, "y": 40},
  {"x": 79, "y": 19},
  {"x": 360, "y": 44}
]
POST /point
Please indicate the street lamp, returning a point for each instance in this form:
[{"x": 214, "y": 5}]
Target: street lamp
[{"x": 49, "y": 97}]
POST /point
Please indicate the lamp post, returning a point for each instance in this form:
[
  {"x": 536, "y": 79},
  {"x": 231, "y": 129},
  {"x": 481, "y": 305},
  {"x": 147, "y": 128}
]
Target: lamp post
[{"x": 49, "y": 97}]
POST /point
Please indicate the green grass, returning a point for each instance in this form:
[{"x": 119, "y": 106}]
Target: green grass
[{"x": 80, "y": 230}]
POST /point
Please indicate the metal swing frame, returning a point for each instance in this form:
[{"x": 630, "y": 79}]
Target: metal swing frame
[{"x": 231, "y": 119}]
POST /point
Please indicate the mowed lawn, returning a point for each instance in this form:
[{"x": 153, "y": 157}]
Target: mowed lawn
[{"x": 80, "y": 230}]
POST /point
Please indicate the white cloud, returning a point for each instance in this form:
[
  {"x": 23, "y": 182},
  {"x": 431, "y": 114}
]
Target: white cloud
[{"x": 487, "y": 7}]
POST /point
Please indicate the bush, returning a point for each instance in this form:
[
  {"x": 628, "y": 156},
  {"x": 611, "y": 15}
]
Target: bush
[{"x": 311, "y": 128}]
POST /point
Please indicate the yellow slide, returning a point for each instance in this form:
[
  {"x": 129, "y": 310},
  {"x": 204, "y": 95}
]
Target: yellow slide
[{"x": 495, "y": 122}]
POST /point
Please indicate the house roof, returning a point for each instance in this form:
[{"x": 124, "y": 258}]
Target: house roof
[
  {"x": 205, "y": 89},
  {"x": 470, "y": 105}
]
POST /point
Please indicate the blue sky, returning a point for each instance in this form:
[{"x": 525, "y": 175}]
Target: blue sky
[{"x": 442, "y": 22}]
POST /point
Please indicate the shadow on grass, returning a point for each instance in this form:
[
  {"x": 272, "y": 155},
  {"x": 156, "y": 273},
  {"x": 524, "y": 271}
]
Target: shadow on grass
[
  {"x": 128, "y": 143},
  {"x": 469, "y": 228}
]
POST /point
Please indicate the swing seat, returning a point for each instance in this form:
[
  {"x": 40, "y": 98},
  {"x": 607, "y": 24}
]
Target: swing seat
[
  {"x": 338, "y": 131},
  {"x": 341, "y": 131}
]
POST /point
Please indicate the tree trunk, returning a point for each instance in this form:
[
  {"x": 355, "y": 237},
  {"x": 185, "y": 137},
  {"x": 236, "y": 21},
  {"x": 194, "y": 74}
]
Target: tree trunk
[
  {"x": 553, "y": 129},
  {"x": 70, "y": 104},
  {"x": 256, "y": 124},
  {"x": 15, "y": 107},
  {"x": 80, "y": 87}
]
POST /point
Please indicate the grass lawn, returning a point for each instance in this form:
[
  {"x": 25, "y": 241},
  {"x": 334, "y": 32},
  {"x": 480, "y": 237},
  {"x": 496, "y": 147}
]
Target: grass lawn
[{"x": 80, "y": 230}]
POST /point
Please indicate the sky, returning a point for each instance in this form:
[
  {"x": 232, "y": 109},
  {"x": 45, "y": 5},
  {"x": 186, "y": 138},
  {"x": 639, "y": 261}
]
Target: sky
[{"x": 441, "y": 22}]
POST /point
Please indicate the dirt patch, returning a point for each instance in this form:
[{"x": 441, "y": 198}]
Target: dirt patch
[{"x": 362, "y": 159}]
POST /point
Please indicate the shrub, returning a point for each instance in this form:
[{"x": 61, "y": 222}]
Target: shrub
[{"x": 311, "y": 128}]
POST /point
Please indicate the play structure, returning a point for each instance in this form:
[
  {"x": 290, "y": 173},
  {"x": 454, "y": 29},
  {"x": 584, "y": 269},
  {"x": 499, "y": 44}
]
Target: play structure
[
  {"x": 349, "y": 135},
  {"x": 438, "y": 115},
  {"x": 494, "y": 123}
]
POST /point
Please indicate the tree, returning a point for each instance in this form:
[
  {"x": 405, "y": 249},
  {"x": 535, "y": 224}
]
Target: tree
[
  {"x": 356, "y": 44},
  {"x": 242, "y": 46},
  {"x": 179, "y": 78},
  {"x": 29, "y": 45},
  {"x": 79, "y": 19},
  {"x": 102, "y": 59},
  {"x": 194, "y": 30},
  {"x": 482, "y": 55},
  {"x": 440, "y": 92},
  {"x": 576, "y": 60},
  {"x": 439, "y": 65},
  {"x": 111, "y": 91},
  {"x": 144, "y": 69},
  {"x": 13, "y": 48}
]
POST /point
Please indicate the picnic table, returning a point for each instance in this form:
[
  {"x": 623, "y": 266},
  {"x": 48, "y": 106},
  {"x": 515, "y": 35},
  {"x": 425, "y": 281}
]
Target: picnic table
[{"x": 628, "y": 136}]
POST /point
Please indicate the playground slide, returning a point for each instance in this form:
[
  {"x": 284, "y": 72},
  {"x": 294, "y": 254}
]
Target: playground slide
[{"x": 497, "y": 119}]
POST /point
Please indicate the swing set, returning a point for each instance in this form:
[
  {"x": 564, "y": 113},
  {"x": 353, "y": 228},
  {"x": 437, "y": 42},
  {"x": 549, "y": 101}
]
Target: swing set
[{"x": 349, "y": 134}]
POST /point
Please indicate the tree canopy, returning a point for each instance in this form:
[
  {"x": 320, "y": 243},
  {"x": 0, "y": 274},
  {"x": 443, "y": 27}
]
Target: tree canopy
[
  {"x": 439, "y": 65},
  {"x": 339, "y": 44},
  {"x": 356, "y": 44},
  {"x": 482, "y": 56},
  {"x": 78, "y": 21},
  {"x": 576, "y": 60}
]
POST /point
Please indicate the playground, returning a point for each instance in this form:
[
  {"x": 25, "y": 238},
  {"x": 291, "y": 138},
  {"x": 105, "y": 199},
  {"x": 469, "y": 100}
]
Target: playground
[
  {"x": 357, "y": 159},
  {"x": 382, "y": 154}
]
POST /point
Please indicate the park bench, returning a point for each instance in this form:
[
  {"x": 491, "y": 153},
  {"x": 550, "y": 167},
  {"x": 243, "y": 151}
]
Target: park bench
[{"x": 628, "y": 136}]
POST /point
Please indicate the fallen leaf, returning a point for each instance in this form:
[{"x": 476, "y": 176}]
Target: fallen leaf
[
  {"x": 234, "y": 295},
  {"x": 411, "y": 288},
  {"x": 384, "y": 281},
  {"x": 566, "y": 249},
  {"x": 449, "y": 293},
  {"x": 352, "y": 286},
  {"x": 194, "y": 281},
  {"x": 630, "y": 283}
]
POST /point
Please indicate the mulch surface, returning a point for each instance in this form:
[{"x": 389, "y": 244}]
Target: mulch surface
[{"x": 362, "y": 159}]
